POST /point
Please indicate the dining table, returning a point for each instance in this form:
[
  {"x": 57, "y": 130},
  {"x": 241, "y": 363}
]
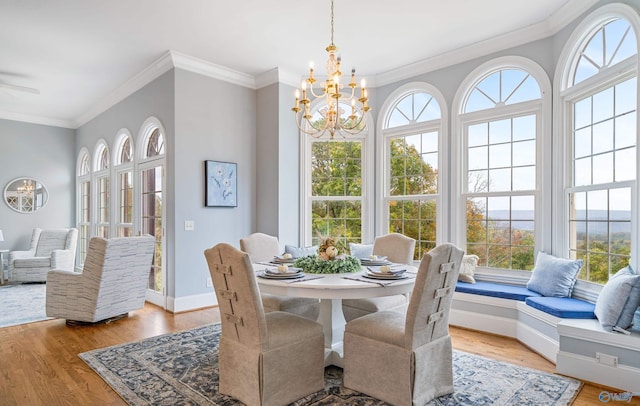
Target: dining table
[{"x": 331, "y": 289}]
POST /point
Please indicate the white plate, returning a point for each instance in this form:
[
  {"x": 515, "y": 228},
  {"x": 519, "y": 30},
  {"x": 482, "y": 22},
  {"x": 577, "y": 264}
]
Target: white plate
[
  {"x": 281, "y": 276},
  {"x": 290, "y": 271},
  {"x": 280, "y": 260},
  {"x": 367, "y": 262},
  {"x": 376, "y": 271}
]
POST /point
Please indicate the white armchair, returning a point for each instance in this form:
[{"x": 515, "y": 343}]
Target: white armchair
[
  {"x": 113, "y": 282},
  {"x": 49, "y": 249}
]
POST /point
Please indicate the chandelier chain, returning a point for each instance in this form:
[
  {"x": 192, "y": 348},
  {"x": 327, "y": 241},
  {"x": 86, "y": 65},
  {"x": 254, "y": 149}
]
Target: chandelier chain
[{"x": 332, "y": 23}]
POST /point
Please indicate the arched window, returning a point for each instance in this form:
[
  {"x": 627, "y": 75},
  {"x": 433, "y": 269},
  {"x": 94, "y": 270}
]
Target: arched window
[
  {"x": 151, "y": 194},
  {"x": 412, "y": 129},
  {"x": 83, "y": 195},
  {"x": 501, "y": 115},
  {"x": 598, "y": 97},
  {"x": 103, "y": 189},
  {"x": 335, "y": 188},
  {"x": 124, "y": 187}
]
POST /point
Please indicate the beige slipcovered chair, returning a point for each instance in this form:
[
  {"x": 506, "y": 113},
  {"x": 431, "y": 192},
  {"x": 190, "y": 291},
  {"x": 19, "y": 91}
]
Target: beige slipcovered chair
[
  {"x": 398, "y": 249},
  {"x": 49, "y": 249},
  {"x": 406, "y": 358},
  {"x": 262, "y": 248},
  {"x": 113, "y": 281},
  {"x": 264, "y": 358}
]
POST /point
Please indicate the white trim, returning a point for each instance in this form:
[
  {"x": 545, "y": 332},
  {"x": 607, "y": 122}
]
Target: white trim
[
  {"x": 212, "y": 70},
  {"x": 562, "y": 94},
  {"x": 570, "y": 11},
  {"x": 588, "y": 369},
  {"x": 29, "y": 118},
  {"x": 192, "y": 302},
  {"x": 143, "y": 78},
  {"x": 540, "y": 343},
  {"x": 543, "y": 201},
  {"x": 483, "y": 322},
  {"x": 382, "y": 154}
]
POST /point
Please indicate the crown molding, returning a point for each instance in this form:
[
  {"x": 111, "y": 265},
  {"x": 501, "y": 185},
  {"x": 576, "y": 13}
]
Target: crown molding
[
  {"x": 205, "y": 68},
  {"x": 557, "y": 21},
  {"x": 143, "y": 78},
  {"x": 27, "y": 118},
  {"x": 277, "y": 75}
]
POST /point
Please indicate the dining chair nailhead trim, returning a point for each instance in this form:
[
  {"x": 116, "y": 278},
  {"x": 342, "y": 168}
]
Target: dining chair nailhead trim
[
  {"x": 229, "y": 294},
  {"x": 223, "y": 269},
  {"x": 234, "y": 319},
  {"x": 444, "y": 268},
  {"x": 435, "y": 317},
  {"x": 442, "y": 292}
]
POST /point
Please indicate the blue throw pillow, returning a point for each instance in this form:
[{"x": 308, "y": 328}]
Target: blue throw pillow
[
  {"x": 361, "y": 250},
  {"x": 618, "y": 300},
  {"x": 552, "y": 276},
  {"x": 299, "y": 252}
]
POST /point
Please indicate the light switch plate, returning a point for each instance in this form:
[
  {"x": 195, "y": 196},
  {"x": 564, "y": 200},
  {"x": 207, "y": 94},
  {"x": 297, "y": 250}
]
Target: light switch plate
[{"x": 189, "y": 225}]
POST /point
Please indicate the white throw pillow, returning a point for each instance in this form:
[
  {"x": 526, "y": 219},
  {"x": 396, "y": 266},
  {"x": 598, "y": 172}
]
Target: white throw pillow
[{"x": 468, "y": 268}]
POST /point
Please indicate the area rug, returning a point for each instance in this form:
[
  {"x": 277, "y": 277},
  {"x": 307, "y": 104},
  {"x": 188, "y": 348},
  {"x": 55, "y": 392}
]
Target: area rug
[
  {"x": 182, "y": 368},
  {"x": 22, "y": 303}
]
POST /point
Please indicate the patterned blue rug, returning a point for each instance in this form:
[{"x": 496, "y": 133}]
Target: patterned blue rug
[
  {"x": 182, "y": 369},
  {"x": 22, "y": 303}
]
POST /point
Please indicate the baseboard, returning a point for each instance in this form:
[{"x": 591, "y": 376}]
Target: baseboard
[
  {"x": 193, "y": 302},
  {"x": 540, "y": 343},
  {"x": 483, "y": 322},
  {"x": 623, "y": 377}
]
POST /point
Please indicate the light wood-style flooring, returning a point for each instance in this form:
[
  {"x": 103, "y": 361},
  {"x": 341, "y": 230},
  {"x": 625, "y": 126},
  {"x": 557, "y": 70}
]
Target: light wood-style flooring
[{"x": 39, "y": 363}]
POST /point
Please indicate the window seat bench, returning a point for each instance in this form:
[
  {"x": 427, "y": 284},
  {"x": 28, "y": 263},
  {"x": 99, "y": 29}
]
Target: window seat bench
[{"x": 563, "y": 330}]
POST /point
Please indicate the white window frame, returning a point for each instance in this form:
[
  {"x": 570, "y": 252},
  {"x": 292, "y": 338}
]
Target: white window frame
[
  {"x": 144, "y": 163},
  {"x": 460, "y": 120},
  {"x": 120, "y": 168},
  {"x": 99, "y": 174},
  {"x": 82, "y": 178},
  {"x": 382, "y": 168},
  {"x": 306, "y": 198},
  {"x": 564, "y": 95}
]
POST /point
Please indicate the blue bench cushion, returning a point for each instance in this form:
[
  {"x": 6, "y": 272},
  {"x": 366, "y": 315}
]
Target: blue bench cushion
[
  {"x": 496, "y": 290},
  {"x": 564, "y": 307}
]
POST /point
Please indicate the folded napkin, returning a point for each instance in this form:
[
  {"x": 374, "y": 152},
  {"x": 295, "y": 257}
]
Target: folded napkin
[
  {"x": 304, "y": 278},
  {"x": 381, "y": 282}
]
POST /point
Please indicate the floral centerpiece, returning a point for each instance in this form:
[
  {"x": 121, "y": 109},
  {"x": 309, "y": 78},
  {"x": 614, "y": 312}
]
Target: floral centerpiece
[{"x": 328, "y": 260}]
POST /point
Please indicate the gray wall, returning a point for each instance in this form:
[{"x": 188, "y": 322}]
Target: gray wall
[
  {"x": 46, "y": 154},
  {"x": 215, "y": 120}
]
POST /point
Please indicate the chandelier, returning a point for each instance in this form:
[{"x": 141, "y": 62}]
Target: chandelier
[
  {"x": 27, "y": 187},
  {"x": 333, "y": 117}
]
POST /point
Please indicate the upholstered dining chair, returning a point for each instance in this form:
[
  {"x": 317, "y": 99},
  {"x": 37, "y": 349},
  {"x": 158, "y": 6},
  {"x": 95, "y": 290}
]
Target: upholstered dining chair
[
  {"x": 49, "y": 249},
  {"x": 113, "y": 281},
  {"x": 262, "y": 248},
  {"x": 264, "y": 358},
  {"x": 406, "y": 358},
  {"x": 397, "y": 248}
]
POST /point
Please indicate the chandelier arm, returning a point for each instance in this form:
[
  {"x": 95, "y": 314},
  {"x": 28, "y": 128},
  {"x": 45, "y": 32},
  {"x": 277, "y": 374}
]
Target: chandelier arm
[
  {"x": 314, "y": 93},
  {"x": 304, "y": 129}
]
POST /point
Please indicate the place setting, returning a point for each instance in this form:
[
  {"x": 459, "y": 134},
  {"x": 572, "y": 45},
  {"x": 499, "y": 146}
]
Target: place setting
[
  {"x": 286, "y": 274},
  {"x": 375, "y": 260},
  {"x": 382, "y": 275}
]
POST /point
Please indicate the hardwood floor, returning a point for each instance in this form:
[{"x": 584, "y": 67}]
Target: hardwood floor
[{"x": 39, "y": 363}]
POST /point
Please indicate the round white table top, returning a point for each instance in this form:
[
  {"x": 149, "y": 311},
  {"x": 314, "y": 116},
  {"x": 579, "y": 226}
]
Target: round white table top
[{"x": 335, "y": 286}]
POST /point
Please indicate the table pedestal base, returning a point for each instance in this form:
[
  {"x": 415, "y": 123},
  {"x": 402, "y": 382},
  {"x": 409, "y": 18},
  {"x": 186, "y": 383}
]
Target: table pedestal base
[{"x": 332, "y": 318}]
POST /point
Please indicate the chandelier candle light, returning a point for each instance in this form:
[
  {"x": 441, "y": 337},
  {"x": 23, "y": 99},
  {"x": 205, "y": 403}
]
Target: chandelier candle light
[{"x": 332, "y": 118}]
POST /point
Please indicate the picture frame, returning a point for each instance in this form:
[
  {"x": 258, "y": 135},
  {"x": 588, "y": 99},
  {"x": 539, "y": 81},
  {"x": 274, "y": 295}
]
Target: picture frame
[{"x": 221, "y": 186}]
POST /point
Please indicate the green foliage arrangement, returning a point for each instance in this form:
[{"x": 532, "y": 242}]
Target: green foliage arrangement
[{"x": 315, "y": 264}]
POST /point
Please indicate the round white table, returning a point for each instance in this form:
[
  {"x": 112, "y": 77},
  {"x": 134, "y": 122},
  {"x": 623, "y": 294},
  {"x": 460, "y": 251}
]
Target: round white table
[{"x": 331, "y": 289}]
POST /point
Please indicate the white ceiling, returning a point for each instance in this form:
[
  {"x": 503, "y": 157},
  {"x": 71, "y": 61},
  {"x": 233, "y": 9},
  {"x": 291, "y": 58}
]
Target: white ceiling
[{"x": 78, "y": 53}]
